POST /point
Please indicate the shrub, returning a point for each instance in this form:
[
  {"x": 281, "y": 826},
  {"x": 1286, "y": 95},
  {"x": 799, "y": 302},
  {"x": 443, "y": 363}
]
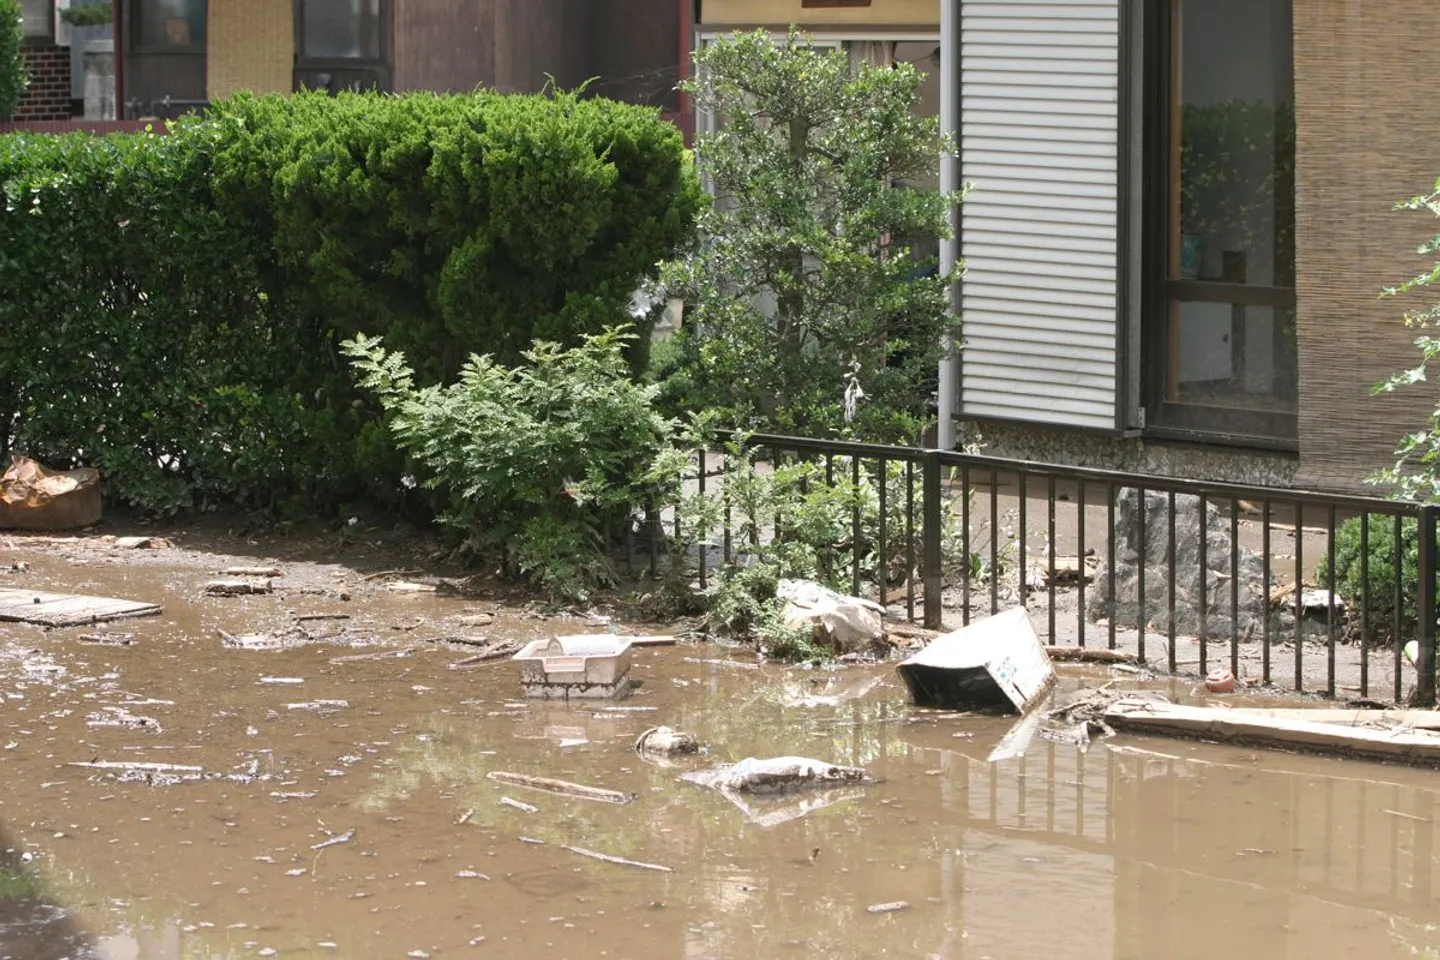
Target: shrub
[
  {"x": 806, "y": 293},
  {"x": 13, "y": 76},
  {"x": 1351, "y": 580},
  {"x": 535, "y": 462},
  {"x": 171, "y": 306}
]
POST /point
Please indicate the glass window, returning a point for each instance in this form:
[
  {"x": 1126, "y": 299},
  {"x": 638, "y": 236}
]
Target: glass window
[
  {"x": 340, "y": 29},
  {"x": 1227, "y": 331},
  {"x": 37, "y": 19},
  {"x": 170, "y": 24}
]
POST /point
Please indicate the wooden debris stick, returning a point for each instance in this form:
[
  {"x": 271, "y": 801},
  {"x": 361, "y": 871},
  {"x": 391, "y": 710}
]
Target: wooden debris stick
[
  {"x": 650, "y": 641},
  {"x": 894, "y": 907},
  {"x": 252, "y": 572},
  {"x": 108, "y": 639},
  {"x": 236, "y": 588},
  {"x": 519, "y": 805},
  {"x": 733, "y": 664},
  {"x": 386, "y": 573},
  {"x": 1090, "y": 655},
  {"x": 306, "y": 617},
  {"x": 561, "y": 786},
  {"x": 605, "y": 857},
  {"x": 498, "y": 652},
  {"x": 345, "y": 837},
  {"x": 146, "y": 767},
  {"x": 1209, "y": 723},
  {"x": 378, "y": 655}
]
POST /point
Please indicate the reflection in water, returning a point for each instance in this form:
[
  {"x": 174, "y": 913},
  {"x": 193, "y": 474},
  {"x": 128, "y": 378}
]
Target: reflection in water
[{"x": 1145, "y": 849}]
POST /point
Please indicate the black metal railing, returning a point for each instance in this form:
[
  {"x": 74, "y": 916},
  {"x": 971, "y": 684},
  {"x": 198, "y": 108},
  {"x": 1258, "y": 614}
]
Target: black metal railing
[{"x": 1199, "y": 567}]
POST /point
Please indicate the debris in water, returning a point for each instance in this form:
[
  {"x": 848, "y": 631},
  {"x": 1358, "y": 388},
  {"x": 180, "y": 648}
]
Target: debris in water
[
  {"x": 895, "y": 907},
  {"x": 281, "y": 681},
  {"x": 778, "y": 775},
  {"x": 378, "y": 655},
  {"x": 108, "y": 639},
  {"x": 843, "y": 624},
  {"x": 66, "y": 609},
  {"x": 307, "y": 617},
  {"x": 561, "y": 786},
  {"x": 33, "y": 497},
  {"x": 236, "y": 588},
  {"x": 620, "y": 860},
  {"x": 498, "y": 650},
  {"x": 584, "y": 667},
  {"x": 404, "y": 586},
  {"x": 519, "y": 805},
  {"x": 665, "y": 742},
  {"x": 995, "y": 663},
  {"x": 345, "y": 837},
  {"x": 470, "y": 875},
  {"x": 318, "y": 705},
  {"x": 1220, "y": 681},
  {"x": 249, "y": 641}
]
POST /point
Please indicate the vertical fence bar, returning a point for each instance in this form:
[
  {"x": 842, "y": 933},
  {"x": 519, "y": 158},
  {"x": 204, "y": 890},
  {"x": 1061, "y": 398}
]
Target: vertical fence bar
[
  {"x": 1144, "y": 548},
  {"x": 1204, "y": 598},
  {"x": 1050, "y": 574},
  {"x": 704, "y": 535},
  {"x": 1364, "y": 604},
  {"x": 965, "y": 543},
  {"x": 910, "y": 540},
  {"x": 1080, "y": 553},
  {"x": 994, "y": 543},
  {"x": 1170, "y": 574},
  {"x": 1265, "y": 561},
  {"x": 1425, "y": 567},
  {"x": 934, "y": 576},
  {"x": 1110, "y": 562},
  {"x": 1299, "y": 599},
  {"x": 1023, "y": 558},
  {"x": 855, "y": 527},
  {"x": 1330, "y": 604},
  {"x": 1234, "y": 587},
  {"x": 1399, "y": 608},
  {"x": 883, "y": 572}
]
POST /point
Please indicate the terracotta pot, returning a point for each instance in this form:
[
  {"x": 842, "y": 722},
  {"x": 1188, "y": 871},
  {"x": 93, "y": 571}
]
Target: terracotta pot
[{"x": 1221, "y": 681}]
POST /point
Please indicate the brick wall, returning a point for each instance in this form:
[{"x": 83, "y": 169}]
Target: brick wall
[
  {"x": 48, "y": 96},
  {"x": 1368, "y": 134}
]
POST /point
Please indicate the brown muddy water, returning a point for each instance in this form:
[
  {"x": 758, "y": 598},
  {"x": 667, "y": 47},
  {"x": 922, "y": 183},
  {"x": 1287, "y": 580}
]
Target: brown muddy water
[{"x": 1134, "y": 849}]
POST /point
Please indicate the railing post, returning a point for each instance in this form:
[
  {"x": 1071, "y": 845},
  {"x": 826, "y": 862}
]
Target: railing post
[
  {"x": 933, "y": 524},
  {"x": 1425, "y": 656}
]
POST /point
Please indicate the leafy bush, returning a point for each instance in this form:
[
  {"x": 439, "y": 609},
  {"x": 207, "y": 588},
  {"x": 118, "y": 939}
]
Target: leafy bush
[
  {"x": 1351, "y": 580},
  {"x": 536, "y": 461},
  {"x": 807, "y": 292},
  {"x": 94, "y": 15},
  {"x": 171, "y": 306},
  {"x": 13, "y": 76}
]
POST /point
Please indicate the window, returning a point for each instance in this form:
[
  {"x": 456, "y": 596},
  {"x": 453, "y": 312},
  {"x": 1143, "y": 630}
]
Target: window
[
  {"x": 173, "y": 26},
  {"x": 1220, "y": 339},
  {"x": 37, "y": 20},
  {"x": 338, "y": 29}
]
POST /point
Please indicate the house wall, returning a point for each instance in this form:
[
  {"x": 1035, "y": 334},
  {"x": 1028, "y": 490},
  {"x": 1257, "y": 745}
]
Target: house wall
[
  {"x": 1366, "y": 133},
  {"x": 909, "y": 13},
  {"x": 48, "y": 95},
  {"x": 251, "y": 47},
  {"x": 444, "y": 45}
]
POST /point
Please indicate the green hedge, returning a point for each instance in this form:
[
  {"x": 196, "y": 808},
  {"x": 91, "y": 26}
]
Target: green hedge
[{"x": 170, "y": 306}]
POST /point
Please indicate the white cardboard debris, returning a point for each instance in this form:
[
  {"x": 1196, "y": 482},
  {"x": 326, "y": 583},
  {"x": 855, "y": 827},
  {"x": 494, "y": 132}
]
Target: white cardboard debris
[{"x": 996, "y": 662}]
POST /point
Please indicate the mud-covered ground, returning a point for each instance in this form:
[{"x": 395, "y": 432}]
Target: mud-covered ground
[{"x": 326, "y": 794}]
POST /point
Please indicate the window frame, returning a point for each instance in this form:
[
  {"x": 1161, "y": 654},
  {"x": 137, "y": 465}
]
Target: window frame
[
  {"x": 383, "y": 23},
  {"x": 1162, "y": 290},
  {"x": 39, "y": 39},
  {"x": 134, "y": 35}
]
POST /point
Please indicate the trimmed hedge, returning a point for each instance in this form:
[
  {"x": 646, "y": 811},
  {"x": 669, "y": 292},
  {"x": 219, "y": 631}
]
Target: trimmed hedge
[{"x": 170, "y": 306}]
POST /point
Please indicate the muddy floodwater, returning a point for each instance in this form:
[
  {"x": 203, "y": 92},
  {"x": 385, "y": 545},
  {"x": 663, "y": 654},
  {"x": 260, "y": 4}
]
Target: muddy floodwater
[{"x": 318, "y": 806}]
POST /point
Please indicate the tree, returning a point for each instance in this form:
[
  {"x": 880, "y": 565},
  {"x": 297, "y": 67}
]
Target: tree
[
  {"x": 1416, "y": 473},
  {"x": 13, "y": 77},
  {"x": 805, "y": 307}
]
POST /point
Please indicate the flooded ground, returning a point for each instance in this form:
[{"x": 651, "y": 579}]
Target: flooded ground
[{"x": 349, "y": 814}]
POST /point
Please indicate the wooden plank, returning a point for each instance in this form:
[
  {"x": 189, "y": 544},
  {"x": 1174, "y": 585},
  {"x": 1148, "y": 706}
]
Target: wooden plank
[
  {"x": 1209, "y": 723},
  {"x": 1416, "y": 719},
  {"x": 67, "y": 610}
]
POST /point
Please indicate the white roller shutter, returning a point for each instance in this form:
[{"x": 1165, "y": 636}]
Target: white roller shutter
[{"x": 1039, "y": 132}]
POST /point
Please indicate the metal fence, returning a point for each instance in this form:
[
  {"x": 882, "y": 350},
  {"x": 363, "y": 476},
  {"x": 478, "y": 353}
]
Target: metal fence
[{"x": 1218, "y": 574}]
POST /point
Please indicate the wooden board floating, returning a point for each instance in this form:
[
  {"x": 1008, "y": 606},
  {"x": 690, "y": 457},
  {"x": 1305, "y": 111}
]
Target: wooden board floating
[
  {"x": 1283, "y": 732},
  {"x": 561, "y": 786},
  {"x": 67, "y": 609}
]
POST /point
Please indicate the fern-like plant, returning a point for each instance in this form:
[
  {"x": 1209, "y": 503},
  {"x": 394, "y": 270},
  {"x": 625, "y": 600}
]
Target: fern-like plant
[{"x": 536, "y": 462}]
